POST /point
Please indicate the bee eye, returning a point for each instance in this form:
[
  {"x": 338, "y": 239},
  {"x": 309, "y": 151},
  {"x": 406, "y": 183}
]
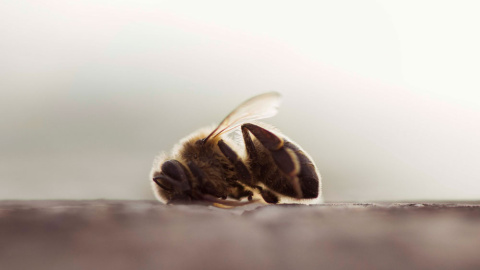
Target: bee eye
[
  {"x": 175, "y": 170},
  {"x": 174, "y": 173}
]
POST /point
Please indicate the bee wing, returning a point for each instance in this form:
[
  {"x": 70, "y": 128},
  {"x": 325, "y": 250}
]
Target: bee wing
[{"x": 258, "y": 107}]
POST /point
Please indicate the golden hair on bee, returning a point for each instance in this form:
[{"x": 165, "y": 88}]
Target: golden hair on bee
[{"x": 208, "y": 167}]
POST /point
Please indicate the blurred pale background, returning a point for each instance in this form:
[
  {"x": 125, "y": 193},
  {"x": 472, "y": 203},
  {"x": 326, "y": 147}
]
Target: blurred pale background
[{"x": 385, "y": 95}]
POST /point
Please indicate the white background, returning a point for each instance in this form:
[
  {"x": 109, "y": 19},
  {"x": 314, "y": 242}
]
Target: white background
[{"x": 385, "y": 95}]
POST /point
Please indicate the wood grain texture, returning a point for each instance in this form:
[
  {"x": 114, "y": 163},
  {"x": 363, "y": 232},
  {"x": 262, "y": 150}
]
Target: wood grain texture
[{"x": 147, "y": 235}]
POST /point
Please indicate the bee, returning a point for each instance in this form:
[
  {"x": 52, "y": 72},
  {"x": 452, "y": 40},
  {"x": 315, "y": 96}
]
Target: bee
[{"x": 209, "y": 167}]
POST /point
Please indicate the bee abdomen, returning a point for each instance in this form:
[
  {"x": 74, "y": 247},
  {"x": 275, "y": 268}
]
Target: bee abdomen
[{"x": 281, "y": 165}]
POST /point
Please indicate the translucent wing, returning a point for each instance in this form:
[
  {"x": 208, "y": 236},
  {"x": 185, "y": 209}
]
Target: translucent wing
[{"x": 258, "y": 107}]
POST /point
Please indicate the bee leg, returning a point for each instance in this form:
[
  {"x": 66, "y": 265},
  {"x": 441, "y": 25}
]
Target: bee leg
[
  {"x": 285, "y": 158},
  {"x": 196, "y": 172},
  {"x": 249, "y": 145},
  {"x": 205, "y": 186},
  {"x": 199, "y": 176},
  {"x": 242, "y": 193},
  {"x": 243, "y": 172},
  {"x": 268, "y": 196},
  {"x": 238, "y": 192}
]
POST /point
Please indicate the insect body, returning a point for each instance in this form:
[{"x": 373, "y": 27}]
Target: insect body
[{"x": 209, "y": 167}]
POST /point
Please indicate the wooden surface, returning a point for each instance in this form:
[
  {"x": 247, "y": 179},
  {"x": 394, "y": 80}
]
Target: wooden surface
[{"x": 147, "y": 235}]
